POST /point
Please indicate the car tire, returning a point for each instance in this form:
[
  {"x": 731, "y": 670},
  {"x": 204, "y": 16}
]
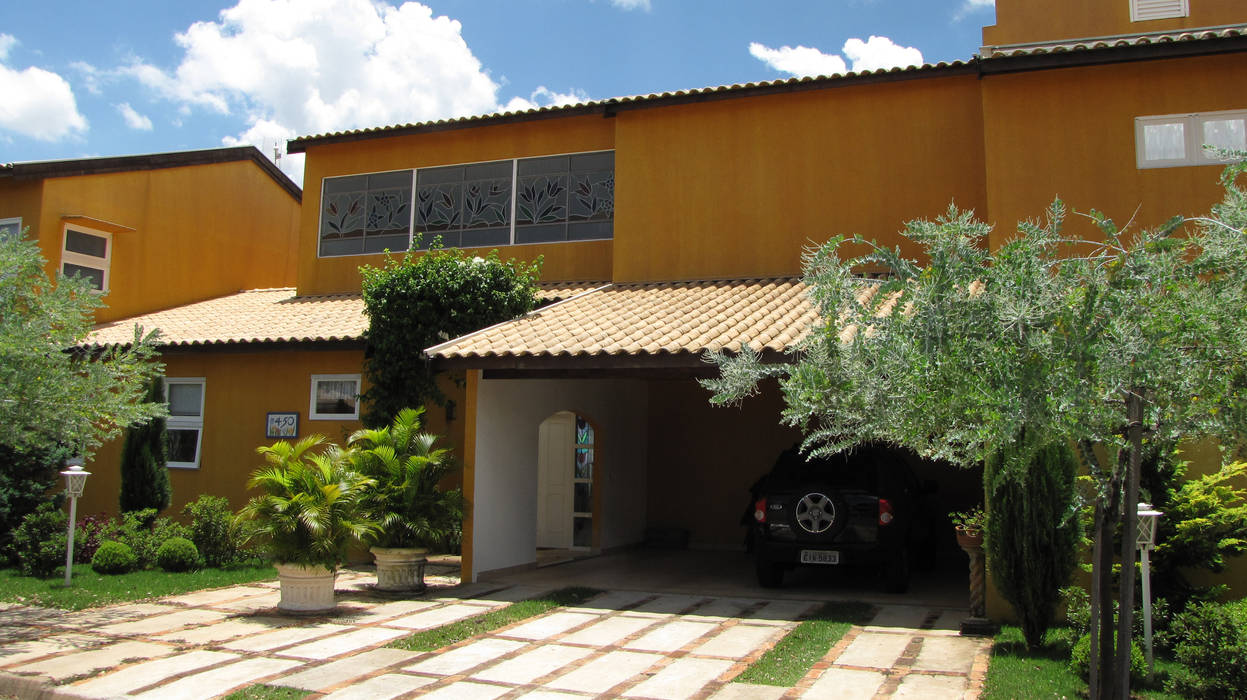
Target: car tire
[
  {"x": 770, "y": 575},
  {"x": 896, "y": 572},
  {"x": 819, "y": 529}
]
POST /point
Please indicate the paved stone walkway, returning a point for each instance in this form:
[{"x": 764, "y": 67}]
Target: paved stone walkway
[{"x": 619, "y": 644}]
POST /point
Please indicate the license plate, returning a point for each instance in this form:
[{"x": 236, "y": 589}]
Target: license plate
[{"x": 819, "y": 556}]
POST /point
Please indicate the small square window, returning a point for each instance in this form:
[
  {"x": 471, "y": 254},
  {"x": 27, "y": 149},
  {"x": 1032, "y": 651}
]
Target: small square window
[
  {"x": 334, "y": 397},
  {"x": 87, "y": 254},
  {"x": 1175, "y": 140},
  {"x": 184, "y": 425},
  {"x": 10, "y": 227}
]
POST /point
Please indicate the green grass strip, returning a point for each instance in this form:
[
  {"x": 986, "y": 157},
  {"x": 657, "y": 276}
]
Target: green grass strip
[
  {"x": 791, "y": 658},
  {"x": 438, "y": 637},
  {"x": 266, "y": 692},
  {"x": 90, "y": 589}
]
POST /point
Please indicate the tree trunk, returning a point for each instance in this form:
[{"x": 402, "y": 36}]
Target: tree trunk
[
  {"x": 1103, "y": 655},
  {"x": 1129, "y": 528}
]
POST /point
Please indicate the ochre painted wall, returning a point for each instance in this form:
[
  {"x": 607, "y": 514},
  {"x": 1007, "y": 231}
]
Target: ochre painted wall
[
  {"x": 21, "y": 198},
  {"x": 1070, "y": 132},
  {"x": 737, "y": 188},
  {"x": 1027, "y": 21},
  {"x": 199, "y": 232},
  {"x": 589, "y": 260}
]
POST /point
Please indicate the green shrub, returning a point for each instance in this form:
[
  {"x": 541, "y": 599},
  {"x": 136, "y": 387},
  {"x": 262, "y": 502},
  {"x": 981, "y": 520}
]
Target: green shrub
[
  {"x": 26, "y": 477},
  {"x": 144, "y": 533},
  {"x": 177, "y": 554},
  {"x": 1211, "y": 645},
  {"x": 114, "y": 557},
  {"x": 213, "y": 531},
  {"x": 93, "y": 531},
  {"x": 144, "y": 456},
  {"x": 39, "y": 542},
  {"x": 1080, "y": 659}
]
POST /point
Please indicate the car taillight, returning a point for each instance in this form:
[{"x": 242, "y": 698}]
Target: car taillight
[
  {"x": 759, "y": 510},
  {"x": 885, "y": 512}
]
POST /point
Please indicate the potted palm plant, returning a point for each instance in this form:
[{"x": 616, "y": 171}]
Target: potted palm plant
[
  {"x": 305, "y": 518},
  {"x": 405, "y": 499}
]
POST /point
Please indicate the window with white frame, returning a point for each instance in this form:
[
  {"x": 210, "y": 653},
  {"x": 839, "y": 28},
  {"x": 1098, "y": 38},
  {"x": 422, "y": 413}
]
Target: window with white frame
[
  {"x": 1144, "y": 10},
  {"x": 186, "y": 420},
  {"x": 87, "y": 253},
  {"x": 546, "y": 199},
  {"x": 1174, "y": 140},
  {"x": 10, "y": 227},
  {"x": 334, "y": 397}
]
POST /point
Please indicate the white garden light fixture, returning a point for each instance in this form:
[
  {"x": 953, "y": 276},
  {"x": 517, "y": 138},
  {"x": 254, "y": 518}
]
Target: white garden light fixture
[
  {"x": 75, "y": 480},
  {"x": 1145, "y": 540}
]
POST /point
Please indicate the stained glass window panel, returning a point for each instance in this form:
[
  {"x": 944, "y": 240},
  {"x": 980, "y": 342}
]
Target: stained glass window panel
[
  {"x": 584, "y": 463},
  {"x": 584, "y": 432}
]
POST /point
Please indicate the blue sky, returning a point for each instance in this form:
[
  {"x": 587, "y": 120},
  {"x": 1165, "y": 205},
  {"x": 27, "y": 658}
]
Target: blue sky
[{"x": 88, "y": 78}]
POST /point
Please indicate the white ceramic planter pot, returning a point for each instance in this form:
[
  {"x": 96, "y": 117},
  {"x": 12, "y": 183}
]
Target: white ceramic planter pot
[
  {"x": 305, "y": 589},
  {"x": 400, "y": 569}
]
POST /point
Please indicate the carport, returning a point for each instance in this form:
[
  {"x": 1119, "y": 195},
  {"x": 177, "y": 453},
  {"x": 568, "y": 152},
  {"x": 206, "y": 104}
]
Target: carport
[{"x": 587, "y": 432}]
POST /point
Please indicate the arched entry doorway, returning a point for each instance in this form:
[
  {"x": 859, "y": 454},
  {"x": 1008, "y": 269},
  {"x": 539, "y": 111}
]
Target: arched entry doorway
[{"x": 565, "y": 483}]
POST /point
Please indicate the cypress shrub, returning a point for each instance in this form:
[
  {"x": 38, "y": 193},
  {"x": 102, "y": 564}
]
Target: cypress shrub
[
  {"x": 144, "y": 454},
  {"x": 1032, "y": 534}
]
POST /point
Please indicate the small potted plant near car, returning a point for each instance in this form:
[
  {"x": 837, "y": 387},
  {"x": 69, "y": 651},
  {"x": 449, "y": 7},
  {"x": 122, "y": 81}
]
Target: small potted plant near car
[
  {"x": 405, "y": 498},
  {"x": 969, "y": 525},
  {"x": 308, "y": 514}
]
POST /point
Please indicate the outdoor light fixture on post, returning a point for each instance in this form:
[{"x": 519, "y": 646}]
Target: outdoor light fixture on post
[
  {"x": 1146, "y": 542},
  {"x": 75, "y": 480}
]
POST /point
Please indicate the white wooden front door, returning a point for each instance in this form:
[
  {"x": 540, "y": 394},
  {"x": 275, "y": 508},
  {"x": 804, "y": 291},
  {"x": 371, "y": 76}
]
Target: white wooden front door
[{"x": 556, "y": 462}]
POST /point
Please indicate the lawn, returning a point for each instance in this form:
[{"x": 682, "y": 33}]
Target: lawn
[
  {"x": 444, "y": 636},
  {"x": 1015, "y": 672},
  {"x": 90, "y": 589},
  {"x": 789, "y": 660}
]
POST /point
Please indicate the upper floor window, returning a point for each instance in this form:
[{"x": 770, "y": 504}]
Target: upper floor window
[
  {"x": 10, "y": 227},
  {"x": 87, "y": 254},
  {"x": 185, "y": 423},
  {"x": 1143, "y": 10},
  {"x": 506, "y": 202},
  {"x": 1178, "y": 139}
]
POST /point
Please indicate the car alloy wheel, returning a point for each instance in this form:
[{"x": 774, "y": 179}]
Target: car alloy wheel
[{"x": 815, "y": 513}]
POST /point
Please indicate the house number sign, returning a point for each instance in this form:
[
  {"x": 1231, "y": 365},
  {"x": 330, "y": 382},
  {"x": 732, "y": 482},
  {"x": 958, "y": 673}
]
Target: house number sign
[{"x": 282, "y": 425}]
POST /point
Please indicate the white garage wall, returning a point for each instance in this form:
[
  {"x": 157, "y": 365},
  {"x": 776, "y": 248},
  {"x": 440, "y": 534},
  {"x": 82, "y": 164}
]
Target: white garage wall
[{"x": 508, "y": 415}]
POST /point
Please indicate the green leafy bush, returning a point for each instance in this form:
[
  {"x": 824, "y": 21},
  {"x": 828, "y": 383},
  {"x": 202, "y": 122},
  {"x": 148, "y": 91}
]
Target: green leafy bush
[
  {"x": 92, "y": 531},
  {"x": 26, "y": 476},
  {"x": 144, "y": 533},
  {"x": 213, "y": 531},
  {"x": 144, "y": 456},
  {"x": 114, "y": 557},
  {"x": 1212, "y": 648},
  {"x": 39, "y": 542},
  {"x": 1080, "y": 659},
  {"x": 177, "y": 554}
]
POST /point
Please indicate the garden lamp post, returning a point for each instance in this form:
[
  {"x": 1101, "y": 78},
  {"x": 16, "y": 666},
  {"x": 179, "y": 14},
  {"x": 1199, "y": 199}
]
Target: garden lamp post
[
  {"x": 1146, "y": 542},
  {"x": 75, "y": 480}
]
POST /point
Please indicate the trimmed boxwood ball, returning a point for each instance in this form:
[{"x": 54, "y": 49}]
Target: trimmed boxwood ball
[
  {"x": 177, "y": 554},
  {"x": 114, "y": 558}
]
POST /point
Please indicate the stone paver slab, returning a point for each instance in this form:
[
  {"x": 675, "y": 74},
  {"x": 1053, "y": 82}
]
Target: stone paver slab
[
  {"x": 219, "y": 680},
  {"x": 611, "y": 600},
  {"x": 682, "y": 678},
  {"x": 331, "y": 674},
  {"x": 27, "y": 616},
  {"x": 253, "y": 603},
  {"x": 343, "y": 643},
  {"x": 949, "y": 621},
  {"x": 873, "y": 650},
  {"x": 384, "y": 687},
  {"x": 893, "y": 616},
  {"x": 845, "y": 684},
  {"x": 148, "y": 673},
  {"x": 449, "y": 663},
  {"x": 923, "y": 687},
  {"x": 467, "y": 690},
  {"x": 222, "y": 631},
  {"x": 738, "y": 641},
  {"x": 511, "y": 594},
  {"x": 609, "y": 631},
  {"x": 283, "y": 637},
  {"x": 671, "y": 636},
  {"x": 69, "y": 665},
  {"x": 549, "y": 625},
  {"x": 781, "y": 611},
  {"x": 437, "y": 617},
  {"x": 951, "y": 654},
  {"x": 551, "y": 695},
  {"x": 18, "y": 652},
  {"x": 749, "y": 691},
  {"x": 163, "y": 623},
  {"x": 531, "y": 665},
  {"x": 605, "y": 672},
  {"x": 107, "y": 616},
  {"x": 386, "y": 611},
  {"x": 720, "y": 609},
  {"x": 666, "y": 605},
  {"x": 218, "y": 595}
]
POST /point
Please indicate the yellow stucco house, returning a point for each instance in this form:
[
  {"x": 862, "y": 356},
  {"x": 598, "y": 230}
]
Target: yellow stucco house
[{"x": 674, "y": 223}]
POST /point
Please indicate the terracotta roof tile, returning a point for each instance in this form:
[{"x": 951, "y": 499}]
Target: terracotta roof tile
[
  {"x": 992, "y": 52},
  {"x": 651, "y": 319},
  {"x": 269, "y": 315}
]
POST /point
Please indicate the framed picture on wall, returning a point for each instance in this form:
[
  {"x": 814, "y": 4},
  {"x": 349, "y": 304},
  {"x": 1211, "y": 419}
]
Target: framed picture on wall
[{"x": 282, "y": 425}]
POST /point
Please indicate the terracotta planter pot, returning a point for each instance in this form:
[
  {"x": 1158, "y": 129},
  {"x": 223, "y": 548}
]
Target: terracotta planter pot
[
  {"x": 400, "y": 569},
  {"x": 305, "y": 589},
  {"x": 969, "y": 539}
]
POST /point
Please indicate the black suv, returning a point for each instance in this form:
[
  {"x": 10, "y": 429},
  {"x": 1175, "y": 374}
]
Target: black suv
[{"x": 862, "y": 507}]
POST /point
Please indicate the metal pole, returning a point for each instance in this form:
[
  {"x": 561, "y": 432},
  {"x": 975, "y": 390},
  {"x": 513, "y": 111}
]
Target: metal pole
[
  {"x": 69, "y": 547},
  {"x": 1147, "y": 607}
]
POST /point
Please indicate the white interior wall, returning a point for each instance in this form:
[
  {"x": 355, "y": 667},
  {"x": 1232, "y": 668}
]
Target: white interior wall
[{"x": 508, "y": 415}]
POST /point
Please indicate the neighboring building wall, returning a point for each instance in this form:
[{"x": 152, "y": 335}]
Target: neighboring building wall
[
  {"x": 1071, "y": 132},
  {"x": 509, "y": 413},
  {"x": 589, "y": 260},
  {"x": 199, "y": 232},
  {"x": 1027, "y": 21},
  {"x": 21, "y": 199}
]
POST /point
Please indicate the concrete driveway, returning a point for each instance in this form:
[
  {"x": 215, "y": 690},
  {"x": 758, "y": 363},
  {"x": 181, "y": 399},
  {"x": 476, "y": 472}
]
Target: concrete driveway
[{"x": 622, "y": 643}]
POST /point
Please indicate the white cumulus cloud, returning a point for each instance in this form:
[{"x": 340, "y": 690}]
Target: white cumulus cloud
[
  {"x": 298, "y": 67},
  {"x": 134, "y": 120},
  {"x": 632, "y": 4},
  {"x": 969, "y": 6},
  {"x": 874, "y": 53},
  {"x": 545, "y": 97},
  {"x": 37, "y": 103}
]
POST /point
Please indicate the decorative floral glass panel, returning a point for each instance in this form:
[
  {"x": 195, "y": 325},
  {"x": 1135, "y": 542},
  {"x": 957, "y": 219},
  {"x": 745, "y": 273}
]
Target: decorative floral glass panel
[
  {"x": 584, "y": 432},
  {"x": 365, "y": 213},
  {"x": 584, "y": 463}
]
